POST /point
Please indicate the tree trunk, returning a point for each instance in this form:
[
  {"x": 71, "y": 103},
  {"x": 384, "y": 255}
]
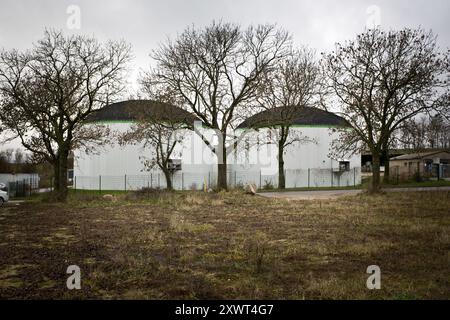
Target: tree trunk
[
  {"x": 387, "y": 172},
  {"x": 168, "y": 176},
  {"x": 53, "y": 183},
  {"x": 222, "y": 165},
  {"x": 385, "y": 157},
  {"x": 281, "y": 176},
  {"x": 222, "y": 176},
  {"x": 375, "y": 173},
  {"x": 61, "y": 189}
]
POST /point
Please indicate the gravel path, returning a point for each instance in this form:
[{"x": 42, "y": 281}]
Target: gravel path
[{"x": 332, "y": 194}]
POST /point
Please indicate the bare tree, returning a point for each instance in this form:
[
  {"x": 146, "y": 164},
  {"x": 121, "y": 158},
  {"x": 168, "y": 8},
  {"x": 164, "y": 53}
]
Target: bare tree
[
  {"x": 295, "y": 82},
  {"x": 6, "y": 161},
  {"x": 159, "y": 129},
  {"x": 380, "y": 80},
  {"x": 438, "y": 132},
  {"x": 412, "y": 134},
  {"x": 19, "y": 156},
  {"x": 444, "y": 110},
  {"x": 215, "y": 72},
  {"x": 49, "y": 91},
  {"x": 424, "y": 132}
]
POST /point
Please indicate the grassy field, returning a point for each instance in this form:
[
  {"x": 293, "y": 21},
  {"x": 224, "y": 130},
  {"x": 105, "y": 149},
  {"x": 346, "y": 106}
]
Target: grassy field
[{"x": 228, "y": 245}]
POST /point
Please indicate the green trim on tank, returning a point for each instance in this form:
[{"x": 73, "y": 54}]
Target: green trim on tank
[
  {"x": 306, "y": 126},
  {"x": 292, "y": 126},
  {"x": 110, "y": 121},
  {"x": 116, "y": 122}
]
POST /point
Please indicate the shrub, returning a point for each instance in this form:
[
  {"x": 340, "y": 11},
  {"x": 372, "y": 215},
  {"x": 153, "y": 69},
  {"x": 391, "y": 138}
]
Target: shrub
[
  {"x": 145, "y": 193},
  {"x": 193, "y": 187},
  {"x": 256, "y": 248},
  {"x": 268, "y": 185},
  {"x": 417, "y": 177},
  {"x": 239, "y": 186}
]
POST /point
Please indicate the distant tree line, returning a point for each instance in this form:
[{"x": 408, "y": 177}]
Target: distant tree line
[
  {"x": 425, "y": 132},
  {"x": 15, "y": 161}
]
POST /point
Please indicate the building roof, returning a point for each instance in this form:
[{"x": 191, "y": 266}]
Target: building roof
[
  {"x": 419, "y": 155},
  {"x": 302, "y": 116},
  {"x": 399, "y": 152},
  {"x": 130, "y": 110}
]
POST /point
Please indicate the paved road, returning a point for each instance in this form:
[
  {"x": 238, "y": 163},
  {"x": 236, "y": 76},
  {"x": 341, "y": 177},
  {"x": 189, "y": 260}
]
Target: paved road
[{"x": 332, "y": 194}]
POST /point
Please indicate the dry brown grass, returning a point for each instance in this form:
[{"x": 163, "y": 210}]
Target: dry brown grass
[{"x": 228, "y": 245}]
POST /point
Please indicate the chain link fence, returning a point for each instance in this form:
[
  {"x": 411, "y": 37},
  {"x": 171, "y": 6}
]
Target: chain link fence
[
  {"x": 301, "y": 178},
  {"x": 428, "y": 172},
  {"x": 20, "y": 185},
  {"x": 445, "y": 171}
]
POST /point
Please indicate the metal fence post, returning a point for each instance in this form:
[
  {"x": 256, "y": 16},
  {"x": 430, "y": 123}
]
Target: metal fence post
[
  {"x": 309, "y": 177},
  {"x": 182, "y": 181},
  {"x": 100, "y": 183},
  {"x": 151, "y": 180},
  {"x": 260, "y": 179},
  {"x": 159, "y": 181},
  {"x": 354, "y": 176},
  {"x": 125, "y": 183}
]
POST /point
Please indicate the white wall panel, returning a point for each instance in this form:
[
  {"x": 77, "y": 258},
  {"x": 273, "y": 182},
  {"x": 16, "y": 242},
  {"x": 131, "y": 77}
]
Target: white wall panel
[{"x": 110, "y": 164}]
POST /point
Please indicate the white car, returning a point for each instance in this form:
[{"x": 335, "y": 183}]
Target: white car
[{"x": 4, "y": 197}]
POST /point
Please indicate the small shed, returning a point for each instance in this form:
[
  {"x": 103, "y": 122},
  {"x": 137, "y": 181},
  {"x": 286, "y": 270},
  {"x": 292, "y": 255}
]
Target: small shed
[{"x": 433, "y": 163}]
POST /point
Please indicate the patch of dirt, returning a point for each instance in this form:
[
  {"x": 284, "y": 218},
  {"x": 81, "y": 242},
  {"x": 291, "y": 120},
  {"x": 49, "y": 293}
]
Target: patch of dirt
[{"x": 228, "y": 246}]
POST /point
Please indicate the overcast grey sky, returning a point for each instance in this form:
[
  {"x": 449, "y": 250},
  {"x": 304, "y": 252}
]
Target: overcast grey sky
[
  {"x": 316, "y": 23},
  {"x": 144, "y": 24}
]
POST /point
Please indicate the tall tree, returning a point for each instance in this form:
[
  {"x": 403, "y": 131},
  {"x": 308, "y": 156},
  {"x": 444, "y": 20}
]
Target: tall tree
[
  {"x": 160, "y": 130},
  {"x": 49, "y": 91},
  {"x": 215, "y": 71},
  {"x": 380, "y": 80},
  {"x": 293, "y": 84}
]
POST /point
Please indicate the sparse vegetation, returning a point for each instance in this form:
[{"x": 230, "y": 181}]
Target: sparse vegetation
[
  {"x": 268, "y": 185},
  {"x": 366, "y": 181},
  {"x": 227, "y": 245}
]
